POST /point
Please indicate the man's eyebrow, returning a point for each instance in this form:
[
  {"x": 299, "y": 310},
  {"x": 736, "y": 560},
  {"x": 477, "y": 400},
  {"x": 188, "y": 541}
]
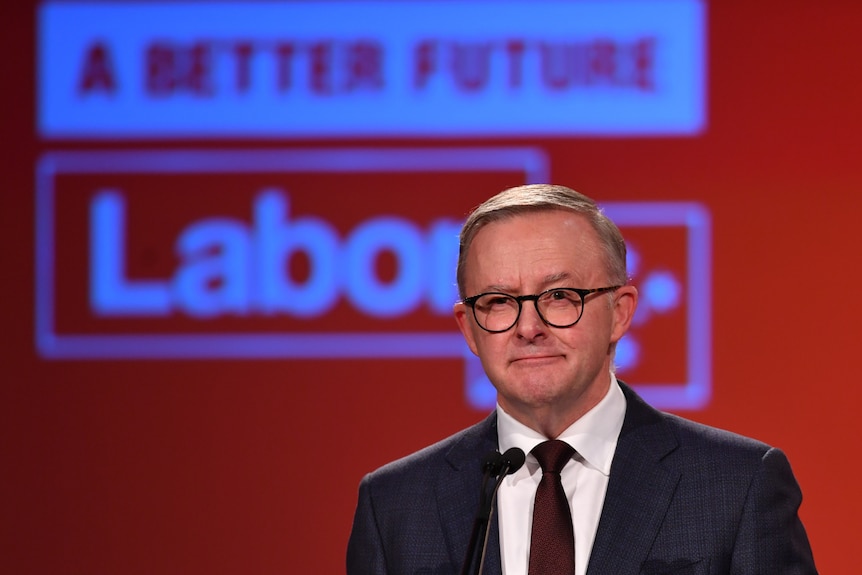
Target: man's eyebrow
[
  {"x": 547, "y": 280},
  {"x": 497, "y": 288}
]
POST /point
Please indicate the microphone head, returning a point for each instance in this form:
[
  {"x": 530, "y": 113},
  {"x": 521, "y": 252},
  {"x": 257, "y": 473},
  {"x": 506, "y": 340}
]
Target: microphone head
[
  {"x": 512, "y": 460},
  {"x": 492, "y": 463}
]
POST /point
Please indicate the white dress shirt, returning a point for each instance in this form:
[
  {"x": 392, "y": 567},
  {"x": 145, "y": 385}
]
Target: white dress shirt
[{"x": 585, "y": 479}]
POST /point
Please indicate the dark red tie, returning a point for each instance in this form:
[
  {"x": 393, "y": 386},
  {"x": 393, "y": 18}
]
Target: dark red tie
[{"x": 552, "y": 545}]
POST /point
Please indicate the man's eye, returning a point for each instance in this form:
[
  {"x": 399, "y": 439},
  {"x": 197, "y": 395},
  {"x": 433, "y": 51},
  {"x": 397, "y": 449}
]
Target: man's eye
[{"x": 563, "y": 296}]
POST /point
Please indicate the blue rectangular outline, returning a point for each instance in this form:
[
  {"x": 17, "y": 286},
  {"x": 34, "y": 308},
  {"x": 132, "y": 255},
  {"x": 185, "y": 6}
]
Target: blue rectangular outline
[
  {"x": 693, "y": 394},
  {"x": 532, "y": 162}
]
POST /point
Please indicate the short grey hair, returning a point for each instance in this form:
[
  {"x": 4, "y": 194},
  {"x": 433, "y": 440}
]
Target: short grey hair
[{"x": 543, "y": 198}]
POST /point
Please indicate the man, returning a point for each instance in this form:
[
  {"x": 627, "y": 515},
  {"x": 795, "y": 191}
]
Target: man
[{"x": 544, "y": 301}]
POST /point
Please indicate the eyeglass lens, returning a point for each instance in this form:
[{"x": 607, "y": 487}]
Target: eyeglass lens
[{"x": 499, "y": 312}]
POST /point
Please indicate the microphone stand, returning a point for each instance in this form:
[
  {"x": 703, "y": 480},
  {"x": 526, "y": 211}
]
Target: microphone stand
[
  {"x": 491, "y": 464},
  {"x": 499, "y": 466},
  {"x": 503, "y": 473}
]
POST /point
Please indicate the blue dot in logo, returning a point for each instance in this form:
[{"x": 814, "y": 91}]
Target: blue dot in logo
[{"x": 661, "y": 291}]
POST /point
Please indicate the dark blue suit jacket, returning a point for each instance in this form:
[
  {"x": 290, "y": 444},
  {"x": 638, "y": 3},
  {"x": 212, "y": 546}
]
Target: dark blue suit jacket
[{"x": 683, "y": 499}]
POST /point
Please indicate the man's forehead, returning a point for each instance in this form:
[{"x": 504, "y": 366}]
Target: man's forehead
[
  {"x": 550, "y": 258},
  {"x": 534, "y": 228}
]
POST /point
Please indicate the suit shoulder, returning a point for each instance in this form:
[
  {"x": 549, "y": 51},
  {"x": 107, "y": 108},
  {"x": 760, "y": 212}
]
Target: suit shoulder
[
  {"x": 699, "y": 437},
  {"x": 666, "y": 431},
  {"x": 461, "y": 448}
]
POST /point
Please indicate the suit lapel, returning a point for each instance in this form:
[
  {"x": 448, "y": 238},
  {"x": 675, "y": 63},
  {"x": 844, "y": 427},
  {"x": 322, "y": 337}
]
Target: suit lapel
[
  {"x": 457, "y": 493},
  {"x": 639, "y": 491}
]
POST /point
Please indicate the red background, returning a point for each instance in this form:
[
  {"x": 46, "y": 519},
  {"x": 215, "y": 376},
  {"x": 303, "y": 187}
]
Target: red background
[{"x": 213, "y": 467}]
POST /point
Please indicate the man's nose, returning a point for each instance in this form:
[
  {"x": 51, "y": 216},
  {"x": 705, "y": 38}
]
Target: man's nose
[{"x": 530, "y": 323}]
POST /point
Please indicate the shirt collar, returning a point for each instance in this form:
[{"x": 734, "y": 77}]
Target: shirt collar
[{"x": 594, "y": 436}]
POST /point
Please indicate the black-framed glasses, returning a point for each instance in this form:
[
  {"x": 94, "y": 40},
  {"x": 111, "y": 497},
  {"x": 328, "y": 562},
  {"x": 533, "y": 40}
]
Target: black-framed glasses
[{"x": 497, "y": 312}]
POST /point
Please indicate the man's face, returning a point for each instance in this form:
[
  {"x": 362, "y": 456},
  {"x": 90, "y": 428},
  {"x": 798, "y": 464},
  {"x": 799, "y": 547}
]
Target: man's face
[{"x": 538, "y": 369}]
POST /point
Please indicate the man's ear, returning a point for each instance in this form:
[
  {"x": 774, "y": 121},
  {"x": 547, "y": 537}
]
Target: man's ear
[
  {"x": 625, "y": 304},
  {"x": 465, "y": 324}
]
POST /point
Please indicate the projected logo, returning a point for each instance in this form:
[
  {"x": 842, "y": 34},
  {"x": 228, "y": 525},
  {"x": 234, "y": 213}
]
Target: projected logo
[{"x": 321, "y": 254}]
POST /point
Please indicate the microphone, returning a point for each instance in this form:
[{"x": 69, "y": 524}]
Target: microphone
[
  {"x": 513, "y": 459},
  {"x": 492, "y": 463},
  {"x": 507, "y": 463},
  {"x": 498, "y": 466}
]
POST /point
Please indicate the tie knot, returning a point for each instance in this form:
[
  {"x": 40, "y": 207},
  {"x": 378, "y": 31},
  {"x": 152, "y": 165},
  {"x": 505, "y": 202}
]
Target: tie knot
[{"x": 553, "y": 455}]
